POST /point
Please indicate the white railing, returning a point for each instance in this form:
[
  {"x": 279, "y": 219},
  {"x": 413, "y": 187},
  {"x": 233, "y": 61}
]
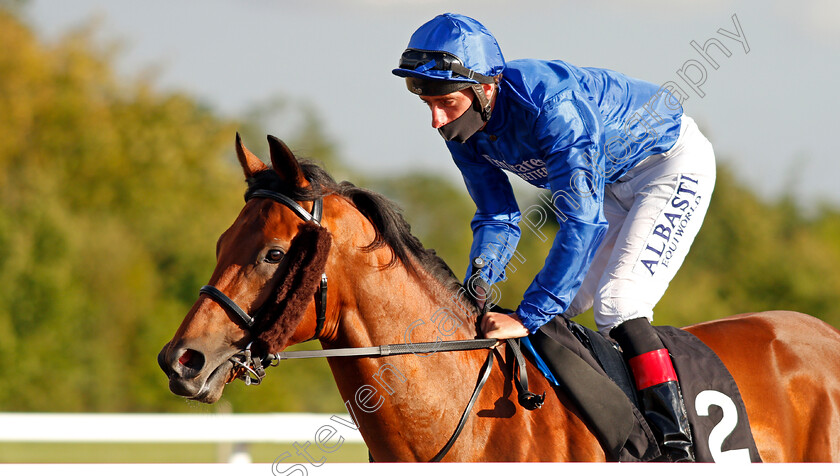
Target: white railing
[
  {"x": 242, "y": 429},
  {"x": 228, "y": 428}
]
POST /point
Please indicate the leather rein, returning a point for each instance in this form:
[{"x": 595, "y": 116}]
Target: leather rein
[{"x": 254, "y": 366}]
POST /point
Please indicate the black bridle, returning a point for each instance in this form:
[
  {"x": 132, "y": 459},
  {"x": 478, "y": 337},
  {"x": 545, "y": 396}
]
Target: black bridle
[{"x": 254, "y": 366}]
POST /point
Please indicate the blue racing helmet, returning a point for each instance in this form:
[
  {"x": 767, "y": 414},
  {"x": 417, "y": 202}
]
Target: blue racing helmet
[{"x": 449, "y": 53}]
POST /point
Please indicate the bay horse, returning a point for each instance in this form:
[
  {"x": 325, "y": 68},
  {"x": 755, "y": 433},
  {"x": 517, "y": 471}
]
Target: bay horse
[{"x": 385, "y": 288}]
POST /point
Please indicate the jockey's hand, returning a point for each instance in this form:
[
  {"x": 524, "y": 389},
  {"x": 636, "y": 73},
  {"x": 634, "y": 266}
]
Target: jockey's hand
[{"x": 496, "y": 325}]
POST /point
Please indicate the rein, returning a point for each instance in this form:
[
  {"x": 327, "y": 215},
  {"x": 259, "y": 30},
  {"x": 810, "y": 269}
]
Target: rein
[
  {"x": 254, "y": 366},
  {"x": 388, "y": 349}
]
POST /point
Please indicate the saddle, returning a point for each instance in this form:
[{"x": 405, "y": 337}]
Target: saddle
[{"x": 591, "y": 371}]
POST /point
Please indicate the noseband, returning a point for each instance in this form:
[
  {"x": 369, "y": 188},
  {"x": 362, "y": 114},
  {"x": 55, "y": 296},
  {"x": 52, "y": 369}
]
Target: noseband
[{"x": 255, "y": 367}]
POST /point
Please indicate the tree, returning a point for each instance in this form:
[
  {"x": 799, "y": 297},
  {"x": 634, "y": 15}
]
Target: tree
[{"x": 112, "y": 196}]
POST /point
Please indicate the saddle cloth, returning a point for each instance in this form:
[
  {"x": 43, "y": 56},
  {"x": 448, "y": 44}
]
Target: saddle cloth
[{"x": 591, "y": 372}]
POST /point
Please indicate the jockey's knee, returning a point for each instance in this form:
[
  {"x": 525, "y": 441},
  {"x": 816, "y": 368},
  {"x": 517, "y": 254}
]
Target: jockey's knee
[
  {"x": 582, "y": 302},
  {"x": 613, "y": 308}
]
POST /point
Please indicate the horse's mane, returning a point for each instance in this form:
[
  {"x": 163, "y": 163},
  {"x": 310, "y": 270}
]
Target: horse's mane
[{"x": 385, "y": 215}]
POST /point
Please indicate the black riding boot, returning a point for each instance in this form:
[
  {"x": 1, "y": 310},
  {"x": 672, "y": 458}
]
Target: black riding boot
[{"x": 657, "y": 386}]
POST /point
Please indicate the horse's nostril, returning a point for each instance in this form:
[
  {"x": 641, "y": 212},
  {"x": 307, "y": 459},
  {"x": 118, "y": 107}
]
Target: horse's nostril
[{"x": 192, "y": 359}]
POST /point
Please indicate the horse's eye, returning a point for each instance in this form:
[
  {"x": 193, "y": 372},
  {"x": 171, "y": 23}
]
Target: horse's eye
[{"x": 274, "y": 256}]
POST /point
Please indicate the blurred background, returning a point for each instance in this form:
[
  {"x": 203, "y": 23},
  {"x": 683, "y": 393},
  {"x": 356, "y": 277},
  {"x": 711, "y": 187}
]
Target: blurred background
[{"x": 117, "y": 169}]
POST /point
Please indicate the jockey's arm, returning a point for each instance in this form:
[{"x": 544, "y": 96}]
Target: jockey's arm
[
  {"x": 570, "y": 136},
  {"x": 495, "y": 225}
]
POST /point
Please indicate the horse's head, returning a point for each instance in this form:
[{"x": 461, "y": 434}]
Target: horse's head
[{"x": 268, "y": 288}]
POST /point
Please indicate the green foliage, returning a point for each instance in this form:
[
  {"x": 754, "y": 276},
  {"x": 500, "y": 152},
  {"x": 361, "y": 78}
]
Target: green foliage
[
  {"x": 113, "y": 194},
  {"x": 96, "y": 257},
  {"x": 754, "y": 256}
]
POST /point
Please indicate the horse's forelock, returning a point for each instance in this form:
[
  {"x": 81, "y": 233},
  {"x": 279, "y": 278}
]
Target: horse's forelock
[{"x": 320, "y": 183}]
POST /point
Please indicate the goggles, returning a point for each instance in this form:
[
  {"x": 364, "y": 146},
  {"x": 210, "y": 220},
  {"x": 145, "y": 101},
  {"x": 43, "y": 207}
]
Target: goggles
[{"x": 420, "y": 61}]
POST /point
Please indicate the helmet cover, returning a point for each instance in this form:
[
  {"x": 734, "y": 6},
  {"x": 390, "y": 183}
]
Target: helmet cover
[{"x": 452, "y": 48}]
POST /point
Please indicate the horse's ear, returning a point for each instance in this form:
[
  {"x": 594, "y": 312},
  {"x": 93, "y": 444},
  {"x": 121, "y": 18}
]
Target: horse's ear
[
  {"x": 284, "y": 162},
  {"x": 251, "y": 164}
]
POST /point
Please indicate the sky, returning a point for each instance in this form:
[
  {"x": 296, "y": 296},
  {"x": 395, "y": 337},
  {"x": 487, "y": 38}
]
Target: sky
[{"x": 769, "y": 108}]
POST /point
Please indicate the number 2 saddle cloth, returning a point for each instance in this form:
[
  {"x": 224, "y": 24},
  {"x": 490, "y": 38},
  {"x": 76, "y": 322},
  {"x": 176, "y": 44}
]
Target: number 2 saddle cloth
[{"x": 591, "y": 372}]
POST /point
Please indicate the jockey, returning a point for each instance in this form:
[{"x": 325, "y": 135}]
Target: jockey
[{"x": 630, "y": 178}]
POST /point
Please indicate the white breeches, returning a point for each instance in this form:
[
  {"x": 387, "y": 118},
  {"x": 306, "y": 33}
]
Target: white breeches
[{"x": 654, "y": 212}]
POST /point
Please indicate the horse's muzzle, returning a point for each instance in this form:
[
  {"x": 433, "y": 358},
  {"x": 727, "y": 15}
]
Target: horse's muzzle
[{"x": 187, "y": 375}]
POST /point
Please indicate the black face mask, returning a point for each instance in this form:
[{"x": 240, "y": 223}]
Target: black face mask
[{"x": 462, "y": 128}]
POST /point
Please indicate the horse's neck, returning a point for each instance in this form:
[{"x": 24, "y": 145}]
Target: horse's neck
[
  {"x": 398, "y": 306},
  {"x": 407, "y": 405},
  {"x": 393, "y": 306}
]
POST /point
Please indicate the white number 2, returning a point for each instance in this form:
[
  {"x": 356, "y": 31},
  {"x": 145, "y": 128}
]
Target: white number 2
[{"x": 723, "y": 429}]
